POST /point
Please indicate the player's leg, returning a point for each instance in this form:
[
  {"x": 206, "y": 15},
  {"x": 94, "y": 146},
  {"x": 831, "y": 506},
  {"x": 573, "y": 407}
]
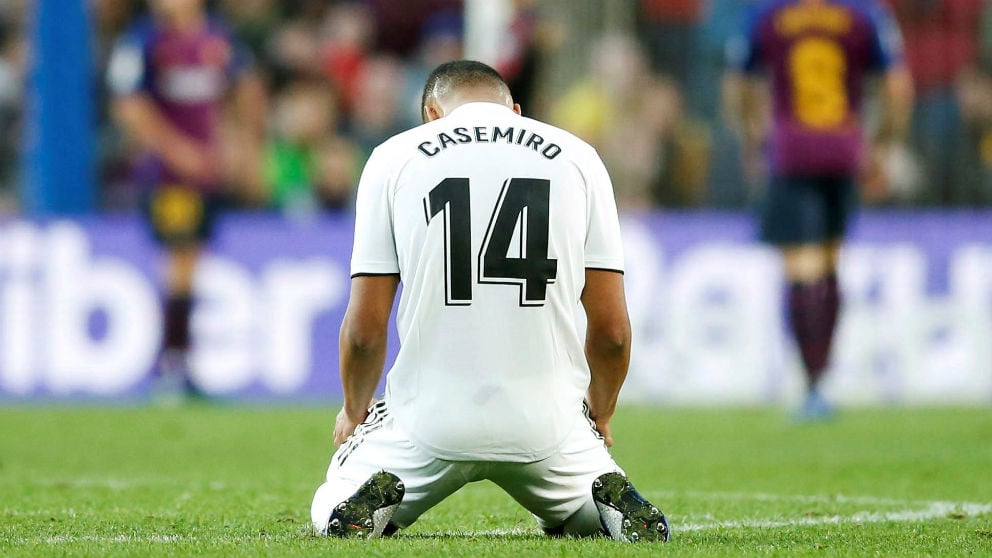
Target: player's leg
[
  {"x": 180, "y": 267},
  {"x": 811, "y": 315},
  {"x": 804, "y": 217},
  {"x": 580, "y": 491},
  {"x": 379, "y": 482},
  {"x": 840, "y": 195},
  {"x": 181, "y": 219}
]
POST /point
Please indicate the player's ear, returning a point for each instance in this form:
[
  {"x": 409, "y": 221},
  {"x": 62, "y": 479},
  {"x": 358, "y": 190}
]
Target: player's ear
[
  {"x": 517, "y": 109},
  {"x": 431, "y": 112}
]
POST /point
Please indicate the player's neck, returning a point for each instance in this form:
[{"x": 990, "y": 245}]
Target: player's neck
[{"x": 460, "y": 100}]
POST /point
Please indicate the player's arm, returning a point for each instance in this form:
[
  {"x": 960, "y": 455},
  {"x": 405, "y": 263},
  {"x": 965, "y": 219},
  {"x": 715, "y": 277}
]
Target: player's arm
[
  {"x": 746, "y": 99},
  {"x": 888, "y": 143},
  {"x": 887, "y": 57},
  {"x": 250, "y": 104},
  {"x": 607, "y": 344},
  {"x": 897, "y": 105},
  {"x": 375, "y": 277},
  {"x": 363, "y": 347},
  {"x": 140, "y": 119},
  {"x": 896, "y": 96},
  {"x": 746, "y": 103},
  {"x": 746, "y": 108}
]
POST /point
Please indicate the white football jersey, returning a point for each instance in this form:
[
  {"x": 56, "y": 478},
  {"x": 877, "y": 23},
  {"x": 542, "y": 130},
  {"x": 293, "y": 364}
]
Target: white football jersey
[{"x": 490, "y": 219}]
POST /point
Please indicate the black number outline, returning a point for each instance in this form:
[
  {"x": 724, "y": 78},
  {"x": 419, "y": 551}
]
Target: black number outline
[
  {"x": 522, "y": 220},
  {"x": 449, "y": 194},
  {"x": 531, "y": 206}
]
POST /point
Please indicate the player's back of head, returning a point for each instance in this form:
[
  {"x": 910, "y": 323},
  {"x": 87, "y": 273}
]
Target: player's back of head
[{"x": 459, "y": 76}]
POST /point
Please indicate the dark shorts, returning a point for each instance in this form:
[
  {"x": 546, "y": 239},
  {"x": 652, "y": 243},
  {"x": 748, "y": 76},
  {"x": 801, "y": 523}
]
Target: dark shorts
[
  {"x": 182, "y": 216},
  {"x": 808, "y": 210}
]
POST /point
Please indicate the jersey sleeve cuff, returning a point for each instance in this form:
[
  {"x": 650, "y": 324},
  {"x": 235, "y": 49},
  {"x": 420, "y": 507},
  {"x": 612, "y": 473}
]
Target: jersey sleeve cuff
[
  {"x": 368, "y": 268},
  {"x": 605, "y": 265},
  {"x": 620, "y": 271}
]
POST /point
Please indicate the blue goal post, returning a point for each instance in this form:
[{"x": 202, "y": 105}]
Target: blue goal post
[{"x": 58, "y": 127}]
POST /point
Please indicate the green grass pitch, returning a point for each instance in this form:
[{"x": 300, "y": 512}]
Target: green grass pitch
[{"x": 237, "y": 481}]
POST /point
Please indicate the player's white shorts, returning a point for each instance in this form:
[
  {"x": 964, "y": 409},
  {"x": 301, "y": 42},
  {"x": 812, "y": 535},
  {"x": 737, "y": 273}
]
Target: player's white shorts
[{"x": 556, "y": 490}]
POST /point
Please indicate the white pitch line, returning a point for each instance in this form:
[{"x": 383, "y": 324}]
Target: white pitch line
[
  {"x": 127, "y": 484},
  {"x": 73, "y": 539},
  {"x": 935, "y": 510},
  {"x": 801, "y": 498}
]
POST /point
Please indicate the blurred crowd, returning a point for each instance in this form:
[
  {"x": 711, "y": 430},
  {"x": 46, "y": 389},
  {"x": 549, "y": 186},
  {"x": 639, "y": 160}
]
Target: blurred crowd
[
  {"x": 653, "y": 104},
  {"x": 341, "y": 76}
]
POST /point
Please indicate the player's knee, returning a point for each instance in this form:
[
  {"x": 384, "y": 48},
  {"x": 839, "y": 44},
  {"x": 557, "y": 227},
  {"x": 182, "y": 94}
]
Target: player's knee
[
  {"x": 324, "y": 500},
  {"x": 320, "y": 511},
  {"x": 182, "y": 263},
  {"x": 584, "y": 523},
  {"x": 806, "y": 263}
]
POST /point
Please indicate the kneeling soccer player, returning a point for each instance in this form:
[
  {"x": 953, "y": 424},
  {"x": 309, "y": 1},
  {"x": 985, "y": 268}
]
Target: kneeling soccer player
[{"x": 499, "y": 226}]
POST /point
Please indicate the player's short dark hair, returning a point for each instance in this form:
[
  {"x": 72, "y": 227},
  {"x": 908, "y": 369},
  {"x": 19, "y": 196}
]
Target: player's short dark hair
[{"x": 462, "y": 73}]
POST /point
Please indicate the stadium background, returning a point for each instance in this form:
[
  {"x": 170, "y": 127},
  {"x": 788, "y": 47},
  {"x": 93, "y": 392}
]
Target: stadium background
[{"x": 79, "y": 313}]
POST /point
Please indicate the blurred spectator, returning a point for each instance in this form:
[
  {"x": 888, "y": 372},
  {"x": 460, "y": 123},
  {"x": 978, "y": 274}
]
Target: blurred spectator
[
  {"x": 671, "y": 32},
  {"x": 349, "y": 32},
  {"x": 12, "y": 69},
  {"x": 441, "y": 42},
  {"x": 722, "y": 21},
  {"x": 519, "y": 61},
  {"x": 975, "y": 98},
  {"x": 293, "y": 52},
  {"x": 719, "y": 26},
  {"x": 306, "y": 10},
  {"x": 339, "y": 163},
  {"x": 13, "y": 12},
  {"x": 625, "y": 113},
  {"x": 110, "y": 19},
  {"x": 252, "y": 21},
  {"x": 941, "y": 45},
  {"x": 371, "y": 55},
  {"x": 404, "y": 21},
  {"x": 377, "y": 113},
  {"x": 307, "y": 165}
]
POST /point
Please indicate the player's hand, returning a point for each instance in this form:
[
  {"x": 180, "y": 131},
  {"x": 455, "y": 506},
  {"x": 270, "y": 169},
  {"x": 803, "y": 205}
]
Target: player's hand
[
  {"x": 873, "y": 180},
  {"x": 603, "y": 427},
  {"x": 344, "y": 425},
  {"x": 193, "y": 161}
]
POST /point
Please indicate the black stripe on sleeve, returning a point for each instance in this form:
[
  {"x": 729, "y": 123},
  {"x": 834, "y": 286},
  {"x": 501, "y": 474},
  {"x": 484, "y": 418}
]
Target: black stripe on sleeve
[
  {"x": 604, "y": 269},
  {"x": 354, "y": 275}
]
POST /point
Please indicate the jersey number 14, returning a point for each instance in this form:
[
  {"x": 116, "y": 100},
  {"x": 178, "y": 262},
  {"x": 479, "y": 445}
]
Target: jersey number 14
[{"x": 522, "y": 200}]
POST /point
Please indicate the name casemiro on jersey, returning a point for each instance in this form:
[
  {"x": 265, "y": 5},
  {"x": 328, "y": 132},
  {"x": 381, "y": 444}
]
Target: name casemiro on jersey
[{"x": 494, "y": 134}]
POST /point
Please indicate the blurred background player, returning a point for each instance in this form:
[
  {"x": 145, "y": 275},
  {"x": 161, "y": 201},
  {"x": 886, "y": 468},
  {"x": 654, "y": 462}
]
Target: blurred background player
[
  {"x": 816, "y": 55},
  {"x": 168, "y": 75}
]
